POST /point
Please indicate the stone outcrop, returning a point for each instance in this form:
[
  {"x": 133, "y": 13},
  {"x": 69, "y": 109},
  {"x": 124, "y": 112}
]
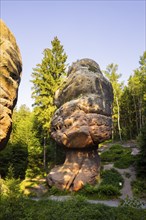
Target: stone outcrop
[
  {"x": 10, "y": 73},
  {"x": 82, "y": 121}
]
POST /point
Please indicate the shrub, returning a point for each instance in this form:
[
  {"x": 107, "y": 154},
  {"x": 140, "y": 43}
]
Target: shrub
[
  {"x": 115, "y": 153},
  {"x": 109, "y": 187},
  {"x": 139, "y": 188},
  {"x": 24, "y": 209},
  {"x": 12, "y": 202},
  {"x": 15, "y": 155},
  {"x": 108, "y": 192},
  {"x": 100, "y": 192},
  {"x": 55, "y": 191},
  {"x": 120, "y": 156},
  {"x": 141, "y": 162},
  {"x": 132, "y": 202},
  {"x": 125, "y": 161},
  {"x": 112, "y": 177}
]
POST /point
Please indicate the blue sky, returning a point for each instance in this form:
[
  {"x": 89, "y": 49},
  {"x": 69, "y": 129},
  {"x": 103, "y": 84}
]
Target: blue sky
[{"x": 106, "y": 31}]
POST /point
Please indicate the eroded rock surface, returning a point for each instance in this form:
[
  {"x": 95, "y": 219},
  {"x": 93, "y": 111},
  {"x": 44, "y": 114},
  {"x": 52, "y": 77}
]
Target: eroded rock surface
[
  {"x": 10, "y": 73},
  {"x": 80, "y": 167},
  {"x": 82, "y": 121}
]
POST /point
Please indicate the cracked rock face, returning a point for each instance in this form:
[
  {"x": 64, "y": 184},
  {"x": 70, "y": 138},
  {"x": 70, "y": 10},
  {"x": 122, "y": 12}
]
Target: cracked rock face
[
  {"x": 84, "y": 115},
  {"x": 10, "y": 72},
  {"x": 82, "y": 121}
]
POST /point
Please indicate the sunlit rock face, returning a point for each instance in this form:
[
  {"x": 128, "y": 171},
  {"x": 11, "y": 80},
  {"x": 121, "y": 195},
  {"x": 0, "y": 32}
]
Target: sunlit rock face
[
  {"x": 10, "y": 72},
  {"x": 82, "y": 121}
]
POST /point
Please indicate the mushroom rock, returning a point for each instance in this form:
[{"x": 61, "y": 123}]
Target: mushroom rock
[
  {"x": 10, "y": 73},
  {"x": 82, "y": 121}
]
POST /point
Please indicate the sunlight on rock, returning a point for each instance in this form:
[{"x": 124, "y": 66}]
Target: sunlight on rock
[
  {"x": 81, "y": 122},
  {"x": 10, "y": 74}
]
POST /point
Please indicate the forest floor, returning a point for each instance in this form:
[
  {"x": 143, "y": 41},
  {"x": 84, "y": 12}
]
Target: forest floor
[
  {"x": 126, "y": 191},
  {"x": 128, "y": 174}
]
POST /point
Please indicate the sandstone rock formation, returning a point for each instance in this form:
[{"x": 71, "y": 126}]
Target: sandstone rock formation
[
  {"x": 82, "y": 121},
  {"x": 10, "y": 73}
]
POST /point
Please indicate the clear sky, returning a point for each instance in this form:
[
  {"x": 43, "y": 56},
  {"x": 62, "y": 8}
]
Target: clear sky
[{"x": 106, "y": 31}]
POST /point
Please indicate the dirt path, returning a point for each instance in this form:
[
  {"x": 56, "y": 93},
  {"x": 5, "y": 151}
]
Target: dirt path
[
  {"x": 128, "y": 176},
  {"x": 127, "y": 189},
  {"x": 111, "y": 203}
]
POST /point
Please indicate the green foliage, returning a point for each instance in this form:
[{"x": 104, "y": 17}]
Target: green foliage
[
  {"x": 15, "y": 207},
  {"x": 25, "y": 148},
  {"x": 100, "y": 192},
  {"x": 112, "y": 177},
  {"x": 16, "y": 152},
  {"x": 47, "y": 77},
  {"x": 141, "y": 162},
  {"x": 129, "y": 106},
  {"x": 114, "y": 153},
  {"x": 132, "y": 202},
  {"x": 108, "y": 192},
  {"x": 125, "y": 161},
  {"x": 109, "y": 188},
  {"x": 15, "y": 155},
  {"x": 55, "y": 191},
  {"x": 35, "y": 155},
  {"x": 133, "y": 102},
  {"x": 36, "y": 187},
  {"x": 120, "y": 156},
  {"x": 139, "y": 188},
  {"x": 24, "y": 151},
  {"x": 113, "y": 76},
  {"x": 11, "y": 204}
]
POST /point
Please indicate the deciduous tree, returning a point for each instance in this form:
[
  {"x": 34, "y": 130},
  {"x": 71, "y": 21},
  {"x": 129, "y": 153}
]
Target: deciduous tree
[{"x": 113, "y": 76}]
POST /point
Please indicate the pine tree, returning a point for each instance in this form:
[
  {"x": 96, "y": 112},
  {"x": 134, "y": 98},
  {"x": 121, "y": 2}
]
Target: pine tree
[{"x": 47, "y": 77}]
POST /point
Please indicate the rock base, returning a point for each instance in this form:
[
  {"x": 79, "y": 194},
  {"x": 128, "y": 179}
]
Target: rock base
[{"x": 80, "y": 167}]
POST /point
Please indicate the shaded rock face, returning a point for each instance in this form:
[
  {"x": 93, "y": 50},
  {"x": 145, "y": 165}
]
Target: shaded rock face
[
  {"x": 10, "y": 72},
  {"x": 82, "y": 121}
]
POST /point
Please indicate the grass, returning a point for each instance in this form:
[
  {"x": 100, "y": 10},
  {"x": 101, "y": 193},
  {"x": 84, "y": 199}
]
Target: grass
[
  {"x": 33, "y": 187},
  {"x": 102, "y": 192},
  {"x": 109, "y": 187},
  {"x": 16, "y": 206},
  {"x": 120, "y": 156},
  {"x": 110, "y": 184},
  {"x": 75, "y": 209},
  {"x": 139, "y": 188},
  {"x": 112, "y": 177}
]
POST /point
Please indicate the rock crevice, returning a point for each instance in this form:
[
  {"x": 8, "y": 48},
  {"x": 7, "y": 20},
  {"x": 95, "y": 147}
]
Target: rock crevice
[{"x": 10, "y": 75}]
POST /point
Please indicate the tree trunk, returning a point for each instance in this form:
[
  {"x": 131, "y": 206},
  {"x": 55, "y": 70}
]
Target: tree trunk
[
  {"x": 136, "y": 114},
  {"x": 119, "y": 127},
  {"x": 140, "y": 113},
  {"x": 44, "y": 153}
]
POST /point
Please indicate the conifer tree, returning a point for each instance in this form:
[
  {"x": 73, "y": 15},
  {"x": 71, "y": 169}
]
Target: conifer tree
[
  {"x": 137, "y": 88},
  {"x": 47, "y": 77}
]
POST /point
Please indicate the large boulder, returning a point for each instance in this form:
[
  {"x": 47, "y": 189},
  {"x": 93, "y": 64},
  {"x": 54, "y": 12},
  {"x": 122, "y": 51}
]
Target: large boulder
[
  {"x": 82, "y": 121},
  {"x": 10, "y": 73},
  {"x": 84, "y": 115}
]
